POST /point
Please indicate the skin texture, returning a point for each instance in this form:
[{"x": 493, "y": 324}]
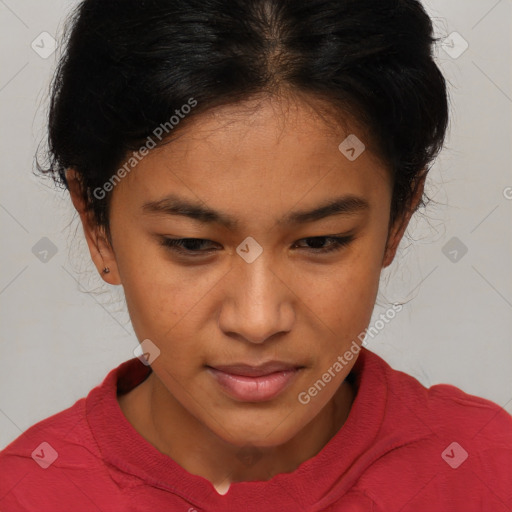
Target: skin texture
[{"x": 291, "y": 304}]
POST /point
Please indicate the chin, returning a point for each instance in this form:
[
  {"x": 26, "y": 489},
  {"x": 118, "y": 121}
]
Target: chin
[{"x": 264, "y": 434}]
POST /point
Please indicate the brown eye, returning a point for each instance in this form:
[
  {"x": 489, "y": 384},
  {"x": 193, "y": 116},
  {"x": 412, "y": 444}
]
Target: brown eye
[
  {"x": 318, "y": 243},
  {"x": 187, "y": 246}
]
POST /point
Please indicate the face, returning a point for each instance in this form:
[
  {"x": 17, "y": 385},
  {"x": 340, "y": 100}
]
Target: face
[{"x": 266, "y": 281}]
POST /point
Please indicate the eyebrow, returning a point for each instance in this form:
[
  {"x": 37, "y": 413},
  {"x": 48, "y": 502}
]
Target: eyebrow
[{"x": 175, "y": 205}]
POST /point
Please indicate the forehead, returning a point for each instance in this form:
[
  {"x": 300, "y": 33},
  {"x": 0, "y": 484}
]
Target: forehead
[
  {"x": 265, "y": 154},
  {"x": 280, "y": 123}
]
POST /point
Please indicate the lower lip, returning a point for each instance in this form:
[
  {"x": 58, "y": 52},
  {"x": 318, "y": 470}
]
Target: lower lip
[{"x": 254, "y": 389}]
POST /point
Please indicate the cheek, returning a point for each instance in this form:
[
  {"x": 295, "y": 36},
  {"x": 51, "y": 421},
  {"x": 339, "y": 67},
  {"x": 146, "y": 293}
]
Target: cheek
[
  {"x": 156, "y": 303},
  {"x": 342, "y": 303},
  {"x": 168, "y": 303},
  {"x": 340, "y": 300}
]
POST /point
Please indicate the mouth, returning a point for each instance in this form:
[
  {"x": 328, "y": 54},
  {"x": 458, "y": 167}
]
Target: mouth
[{"x": 247, "y": 383}]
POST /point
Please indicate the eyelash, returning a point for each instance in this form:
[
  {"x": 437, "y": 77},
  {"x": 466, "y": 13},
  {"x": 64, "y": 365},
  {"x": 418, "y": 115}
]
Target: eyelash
[{"x": 176, "y": 244}]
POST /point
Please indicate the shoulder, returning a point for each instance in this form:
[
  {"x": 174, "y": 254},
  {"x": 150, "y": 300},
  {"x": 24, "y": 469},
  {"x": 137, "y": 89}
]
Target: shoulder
[
  {"x": 67, "y": 426},
  {"x": 445, "y": 407},
  {"x": 57, "y": 465},
  {"x": 440, "y": 442},
  {"x": 33, "y": 462}
]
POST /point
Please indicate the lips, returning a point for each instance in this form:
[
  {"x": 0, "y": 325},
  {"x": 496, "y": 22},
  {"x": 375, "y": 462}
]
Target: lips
[
  {"x": 255, "y": 371},
  {"x": 249, "y": 383}
]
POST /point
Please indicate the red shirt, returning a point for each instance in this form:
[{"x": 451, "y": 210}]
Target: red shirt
[{"x": 403, "y": 448}]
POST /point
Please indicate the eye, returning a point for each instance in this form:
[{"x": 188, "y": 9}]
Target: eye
[
  {"x": 336, "y": 243},
  {"x": 186, "y": 246},
  {"x": 192, "y": 246}
]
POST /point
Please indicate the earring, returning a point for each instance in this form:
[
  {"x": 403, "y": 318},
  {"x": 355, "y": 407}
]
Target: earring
[{"x": 106, "y": 270}]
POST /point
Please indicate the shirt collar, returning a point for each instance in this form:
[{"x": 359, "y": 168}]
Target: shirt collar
[{"x": 333, "y": 470}]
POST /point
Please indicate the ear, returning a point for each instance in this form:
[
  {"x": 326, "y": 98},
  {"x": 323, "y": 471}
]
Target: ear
[
  {"x": 101, "y": 251},
  {"x": 397, "y": 230}
]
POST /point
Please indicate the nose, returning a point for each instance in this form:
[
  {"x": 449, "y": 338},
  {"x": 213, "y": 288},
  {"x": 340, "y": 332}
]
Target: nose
[{"x": 257, "y": 303}]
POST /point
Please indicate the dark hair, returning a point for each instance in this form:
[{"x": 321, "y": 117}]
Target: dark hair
[{"x": 129, "y": 65}]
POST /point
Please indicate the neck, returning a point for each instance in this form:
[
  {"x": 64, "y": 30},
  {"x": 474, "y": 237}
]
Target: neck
[{"x": 163, "y": 422}]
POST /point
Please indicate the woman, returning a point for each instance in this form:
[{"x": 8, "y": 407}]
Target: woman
[{"x": 245, "y": 170}]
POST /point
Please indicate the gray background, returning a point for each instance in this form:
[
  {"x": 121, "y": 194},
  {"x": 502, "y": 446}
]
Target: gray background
[{"x": 57, "y": 341}]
